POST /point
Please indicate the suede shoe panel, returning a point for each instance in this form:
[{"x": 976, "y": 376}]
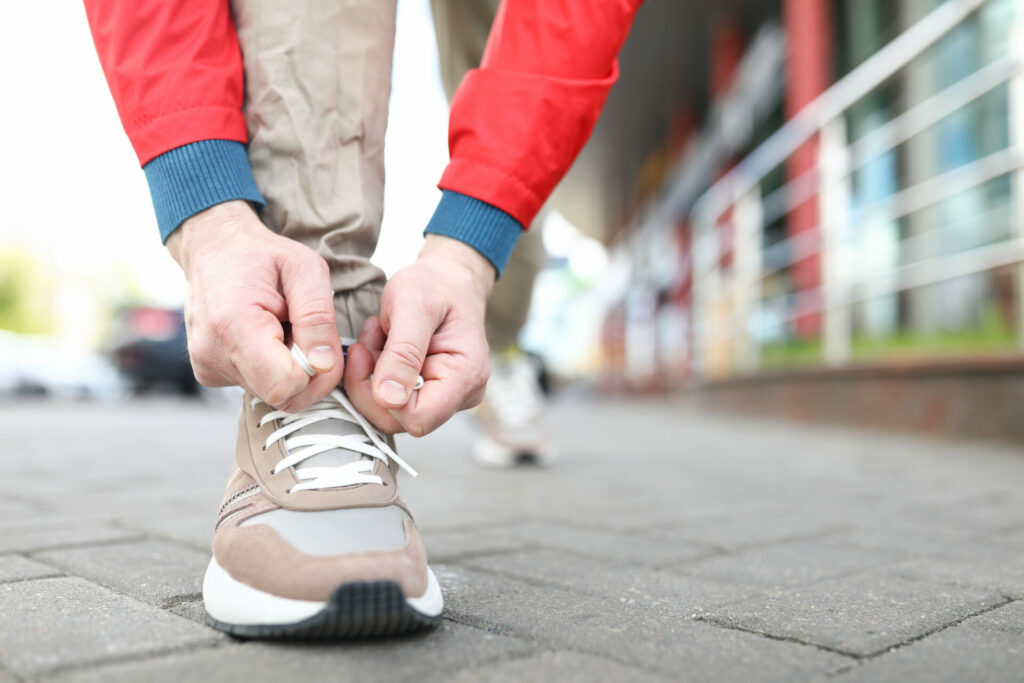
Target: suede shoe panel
[{"x": 259, "y": 557}]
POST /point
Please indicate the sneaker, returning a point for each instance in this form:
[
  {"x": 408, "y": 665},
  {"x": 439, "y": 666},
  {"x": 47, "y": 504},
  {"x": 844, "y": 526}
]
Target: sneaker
[
  {"x": 511, "y": 424},
  {"x": 312, "y": 540}
]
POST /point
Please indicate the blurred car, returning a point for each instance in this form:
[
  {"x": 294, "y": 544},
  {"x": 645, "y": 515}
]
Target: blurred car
[
  {"x": 38, "y": 365},
  {"x": 150, "y": 349}
]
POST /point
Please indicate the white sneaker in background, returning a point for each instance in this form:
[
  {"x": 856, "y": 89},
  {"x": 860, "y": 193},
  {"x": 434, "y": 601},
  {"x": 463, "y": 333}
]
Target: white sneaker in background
[{"x": 511, "y": 419}]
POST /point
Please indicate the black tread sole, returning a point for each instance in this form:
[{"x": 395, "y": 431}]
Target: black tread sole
[{"x": 355, "y": 610}]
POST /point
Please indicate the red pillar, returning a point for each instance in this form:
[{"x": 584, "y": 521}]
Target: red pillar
[
  {"x": 808, "y": 74},
  {"x": 726, "y": 55}
]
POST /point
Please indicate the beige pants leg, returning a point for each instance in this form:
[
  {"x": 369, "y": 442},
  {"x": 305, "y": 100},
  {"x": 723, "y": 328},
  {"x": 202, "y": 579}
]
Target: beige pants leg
[
  {"x": 461, "y": 27},
  {"x": 317, "y": 82}
]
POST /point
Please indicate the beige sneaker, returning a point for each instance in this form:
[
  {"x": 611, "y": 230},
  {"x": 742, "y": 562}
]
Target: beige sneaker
[{"x": 312, "y": 540}]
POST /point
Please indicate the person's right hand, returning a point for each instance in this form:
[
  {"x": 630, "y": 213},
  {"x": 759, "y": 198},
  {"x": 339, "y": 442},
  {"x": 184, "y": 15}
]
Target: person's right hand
[{"x": 244, "y": 282}]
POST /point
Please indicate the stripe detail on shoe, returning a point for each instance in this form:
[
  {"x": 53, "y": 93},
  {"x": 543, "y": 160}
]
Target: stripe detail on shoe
[{"x": 241, "y": 495}]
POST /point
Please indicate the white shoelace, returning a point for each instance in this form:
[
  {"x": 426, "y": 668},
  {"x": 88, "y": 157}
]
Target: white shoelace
[{"x": 335, "y": 406}]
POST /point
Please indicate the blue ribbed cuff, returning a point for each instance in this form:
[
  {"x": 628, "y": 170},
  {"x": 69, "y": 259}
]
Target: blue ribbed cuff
[
  {"x": 482, "y": 226},
  {"x": 188, "y": 179}
]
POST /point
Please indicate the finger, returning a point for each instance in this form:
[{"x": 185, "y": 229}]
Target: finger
[
  {"x": 453, "y": 383},
  {"x": 358, "y": 369},
  {"x": 433, "y": 404},
  {"x": 319, "y": 384},
  {"x": 263, "y": 361},
  {"x": 400, "y": 363},
  {"x": 306, "y": 284},
  {"x": 372, "y": 337}
]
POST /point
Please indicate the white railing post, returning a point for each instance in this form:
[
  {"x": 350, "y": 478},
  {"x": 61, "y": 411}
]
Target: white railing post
[
  {"x": 704, "y": 256},
  {"x": 748, "y": 217},
  {"x": 1016, "y": 124},
  {"x": 833, "y": 217}
]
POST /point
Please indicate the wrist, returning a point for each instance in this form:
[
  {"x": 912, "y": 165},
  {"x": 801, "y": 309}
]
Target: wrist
[
  {"x": 447, "y": 253},
  {"x": 489, "y": 230},
  {"x": 208, "y": 227}
]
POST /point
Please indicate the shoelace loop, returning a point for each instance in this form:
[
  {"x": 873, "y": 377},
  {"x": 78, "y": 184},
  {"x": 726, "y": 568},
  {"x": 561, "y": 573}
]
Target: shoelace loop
[{"x": 335, "y": 406}]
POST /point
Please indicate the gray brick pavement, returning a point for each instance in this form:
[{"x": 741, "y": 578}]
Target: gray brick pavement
[
  {"x": 451, "y": 647},
  {"x": 858, "y": 615},
  {"x": 662, "y": 639},
  {"x": 665, "y": 545},
  {"x": 152, "y": 571},
  {"x": 48, "y": 625},
  {"x": 30, "y": 536},
  {"x": 789, "y": 563},
  {"x": 189, "y": 527},
  {"x": 19, "y": 568},
  {"x": 626, "y": 583},
  {"x": 552, "y": 667},
  {"x": 614, "y": 546},
  {"x": 988, "y": 648}
]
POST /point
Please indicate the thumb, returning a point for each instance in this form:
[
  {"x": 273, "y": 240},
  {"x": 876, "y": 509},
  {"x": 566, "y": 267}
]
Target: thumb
[
  {"x": 306, "y": 283},
  {"x": 401, "y": 360}
]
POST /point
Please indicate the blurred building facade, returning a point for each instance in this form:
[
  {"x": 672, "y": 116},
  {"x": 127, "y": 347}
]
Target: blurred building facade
[{"x": 850, "y": 194}]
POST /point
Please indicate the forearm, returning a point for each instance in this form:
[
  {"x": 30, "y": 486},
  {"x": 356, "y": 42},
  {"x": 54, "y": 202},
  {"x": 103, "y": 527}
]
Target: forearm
[
  {"x": 182, "y": 113},
  {"x": 519, "y": 121}
]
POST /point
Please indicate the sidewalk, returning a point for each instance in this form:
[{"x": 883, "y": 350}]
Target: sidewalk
[{"x": 666, "y": 545}]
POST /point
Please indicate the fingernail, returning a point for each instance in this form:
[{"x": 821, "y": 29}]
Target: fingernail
[
  {"x": 323, "y": 358},
  {"x": 393, "y": 392}
]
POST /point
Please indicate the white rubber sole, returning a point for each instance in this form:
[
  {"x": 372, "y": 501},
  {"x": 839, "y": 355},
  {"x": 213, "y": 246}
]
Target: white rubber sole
[{"x": 230, "y": 601}]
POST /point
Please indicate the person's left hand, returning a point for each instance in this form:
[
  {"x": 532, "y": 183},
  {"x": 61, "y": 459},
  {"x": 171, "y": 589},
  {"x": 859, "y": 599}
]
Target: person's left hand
[{"x": 431, "y": 324}]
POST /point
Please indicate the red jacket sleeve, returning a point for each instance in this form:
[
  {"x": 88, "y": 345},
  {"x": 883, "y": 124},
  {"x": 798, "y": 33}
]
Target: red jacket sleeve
[
  {"x": 174, "y": 69},
  {"x": 518, "y": 122}
]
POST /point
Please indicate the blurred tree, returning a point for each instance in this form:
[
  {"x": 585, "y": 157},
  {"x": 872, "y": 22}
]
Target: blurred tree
[{"x": 24, "y": 293}]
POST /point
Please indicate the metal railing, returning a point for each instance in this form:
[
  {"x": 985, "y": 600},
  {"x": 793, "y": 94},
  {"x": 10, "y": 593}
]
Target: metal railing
[{"x": 726, "y": 300}]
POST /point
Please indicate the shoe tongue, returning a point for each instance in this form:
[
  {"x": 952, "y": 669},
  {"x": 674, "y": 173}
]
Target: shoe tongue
[{"x": 336, "y": 456}]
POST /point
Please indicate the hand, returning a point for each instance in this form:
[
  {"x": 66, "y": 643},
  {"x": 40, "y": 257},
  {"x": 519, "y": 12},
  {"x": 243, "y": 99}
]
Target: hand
[
  {"x": 431, "y": 324},
  {"x": 244, "y": 282}
]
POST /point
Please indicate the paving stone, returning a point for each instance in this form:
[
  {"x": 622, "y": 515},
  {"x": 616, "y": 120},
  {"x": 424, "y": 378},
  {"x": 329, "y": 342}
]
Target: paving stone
[
  {"x": 910, "y": 536},
  {"x": 152, "y": 571},
  {"x": 991, "y": 568},
  {"x": 987, "y": 514},
  {"x": 450, "y": 647},
  {"x": 457, "y": 508},
  {"x": 988, "y": 648},
  {"x": 741, "y": 531},
  {"x": 860, "y": 615},
  {"x": 624, "y": 547},
  {"x": 57, "y": 623},
  {"x": 16, "y": 537},
  {"x": 553, "y": 667},
  {"x": 192, "y": 610},
  {"x": 155, "y": 497},
  {"x": 445, "y": 546},
  {"x": 625, "y": 583},
  {"x": 15, "y": 509},
  {"x": 18, "y": 568},
  {"x": 194, "y": 528},
  {"x": 658, "y": 639},
  {"x": 788, "y": 564}
]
